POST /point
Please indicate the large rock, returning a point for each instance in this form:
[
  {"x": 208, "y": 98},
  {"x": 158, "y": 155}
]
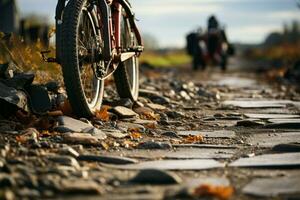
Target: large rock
[
  {"x": 20, "y": 81},
  {"x": 68, "y": 124},
  {"x": 39, "y": 99},
  {"x": 12, "y": 99}
]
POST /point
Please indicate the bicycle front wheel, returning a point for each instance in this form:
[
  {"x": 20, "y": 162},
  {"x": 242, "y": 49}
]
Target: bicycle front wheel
[{"x": 81, "y": 43}]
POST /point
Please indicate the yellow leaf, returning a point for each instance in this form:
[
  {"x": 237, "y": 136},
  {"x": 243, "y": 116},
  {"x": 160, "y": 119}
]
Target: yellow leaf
[
  {"x": 103, "y": 114},
  {"x": 193, "y": 139}
]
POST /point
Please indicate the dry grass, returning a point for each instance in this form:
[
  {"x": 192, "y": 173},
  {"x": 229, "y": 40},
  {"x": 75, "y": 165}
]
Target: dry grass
[
  {"x": 288, "y": 53},
  {"x": 28, "y": 58}
]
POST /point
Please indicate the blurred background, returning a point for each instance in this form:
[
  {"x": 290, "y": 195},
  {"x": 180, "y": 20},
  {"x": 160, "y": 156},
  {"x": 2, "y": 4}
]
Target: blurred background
[{"x": 267, "y": 31}]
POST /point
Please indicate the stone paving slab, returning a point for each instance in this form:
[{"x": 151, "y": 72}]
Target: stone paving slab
[
  {"x": 271, "y": 116},
  {"x": 251, "y": 103},
  {"x": 283, "y": 160},
  {"x": 237, "y": 82},
  {"x": 205, "y": 146},
  {"x": 284, "y": 120},
  {"x": 189, "y": 164},
  {"x": 180, "y": 153},
  {"x": 209, "y": 134},
  {"x": 271, "y": 187},
  {"x": 216, "y": 181},
  {"x": 272, "y": 139},
  {"x": 283, "y": 125}
]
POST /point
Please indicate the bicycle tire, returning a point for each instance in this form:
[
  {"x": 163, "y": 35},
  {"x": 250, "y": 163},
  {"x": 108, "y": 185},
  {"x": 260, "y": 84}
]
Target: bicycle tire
[
  {"x": 127, "y": 74},
  {"x": 71, "y": 64}
]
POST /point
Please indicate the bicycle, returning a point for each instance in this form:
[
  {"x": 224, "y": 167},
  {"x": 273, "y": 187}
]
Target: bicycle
[{"x": 94, "y": 40}]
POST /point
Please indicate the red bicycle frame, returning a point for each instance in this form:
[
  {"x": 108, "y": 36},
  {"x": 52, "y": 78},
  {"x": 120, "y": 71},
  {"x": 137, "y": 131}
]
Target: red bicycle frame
[
  {"x": 115, "y": 28},
  {"x": 111, "y": 13}
]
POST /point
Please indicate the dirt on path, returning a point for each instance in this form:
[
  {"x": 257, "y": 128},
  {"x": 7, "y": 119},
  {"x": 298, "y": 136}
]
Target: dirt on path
[{"x": 191, "y": 135}]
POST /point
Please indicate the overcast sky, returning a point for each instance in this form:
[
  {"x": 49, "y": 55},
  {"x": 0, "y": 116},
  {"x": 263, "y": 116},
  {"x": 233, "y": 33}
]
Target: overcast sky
[{"x": 247, "y": 21}]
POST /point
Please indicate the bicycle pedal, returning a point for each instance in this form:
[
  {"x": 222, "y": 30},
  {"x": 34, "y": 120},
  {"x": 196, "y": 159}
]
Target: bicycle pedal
[{"x": 48, "y": 59}]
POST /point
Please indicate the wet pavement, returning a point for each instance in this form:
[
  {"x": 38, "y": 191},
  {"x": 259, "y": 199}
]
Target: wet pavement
[{"x": 209, "y": 135}]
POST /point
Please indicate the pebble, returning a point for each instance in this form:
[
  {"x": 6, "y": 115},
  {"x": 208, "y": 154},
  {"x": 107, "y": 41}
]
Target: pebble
[
  {"x": 170, "y": 134},
  {"x": 124, "y": 112},
  {"x": 185, "y": 95},
  {"x": 131, "y": 126},
  {"x": 143, "y": 110},
  {"x": 65, "y": 160},
  {"x": 156, "y": 106},
  {"x": 6, "y": 181},
  {"x": 174, "y": 114},
  {"x": 68, "y": 124},
  {"x": 114, "y": 133},
  {"x": 80, "y": 138},
  {"x": 69, "y": 151},
  {"x": 158, "y": 99},
  {"x": 7, "y": 195},
  {"x": 154, "y": 145},
  {"x": 100, "y": 135},
  {"x": 147, "y": 93},
  {"x": 125, "y": 102},
  {"x": 156, "y": 176}
]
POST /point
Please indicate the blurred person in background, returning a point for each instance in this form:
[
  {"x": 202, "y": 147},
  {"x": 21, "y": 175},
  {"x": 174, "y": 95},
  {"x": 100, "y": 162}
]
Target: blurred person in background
[{"x": 194, "y": 48}]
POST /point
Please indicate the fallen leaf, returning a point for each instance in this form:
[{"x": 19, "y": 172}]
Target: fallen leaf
[
  {"x": 147, "y": 113},
  {"x": 128, "y": 144},
  {"x": 27, "y": 135},
  {"x": 193, "y": 139},
  {"x": 46, "y": 133},
  {"x": 105, "y": 145},
  {"x": 103, "y": 114},
  {"x": 135, "y": 135},
  {"x": 151, "y": 126},
  {"x": 220, "y": 192}
]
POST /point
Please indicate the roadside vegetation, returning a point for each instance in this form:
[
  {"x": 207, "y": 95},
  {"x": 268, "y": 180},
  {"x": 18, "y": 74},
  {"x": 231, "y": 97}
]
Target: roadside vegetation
[
  {"x": 165, "y": 58},
  {"x": 282, "y": 49},
  {"x": 27, "y": 57}
]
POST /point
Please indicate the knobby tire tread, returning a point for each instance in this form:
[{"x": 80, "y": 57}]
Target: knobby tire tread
[
  {"x": 122, "y": 83},
  {"x": 70, "y": 70}
]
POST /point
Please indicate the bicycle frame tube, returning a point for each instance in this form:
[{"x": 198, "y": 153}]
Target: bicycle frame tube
[
  {"x": 117, "y": 6},
  {"x": 131, "y": 18},
  {"x": 106, "y": 29},
  {"x": 117, "y": 14}
]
